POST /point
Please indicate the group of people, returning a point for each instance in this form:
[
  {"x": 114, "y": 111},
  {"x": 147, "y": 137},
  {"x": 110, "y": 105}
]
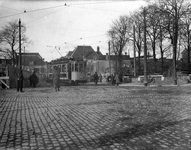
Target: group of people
[
  {"x": 114, "y": 79},
  {"x": 33, "y": 79}
]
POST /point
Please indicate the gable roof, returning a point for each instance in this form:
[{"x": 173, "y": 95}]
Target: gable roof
[
  {"x": 83, "y": 51},
  {"x": 69, "y": 54}
]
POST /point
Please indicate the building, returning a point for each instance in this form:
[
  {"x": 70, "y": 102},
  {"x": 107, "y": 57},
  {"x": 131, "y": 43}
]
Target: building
[
  {"x": 105, "y": 64},
  {"x": 34, "y": 62},
  {"x": 84, "y": 61},
  {"x": 82, "y": 53}
]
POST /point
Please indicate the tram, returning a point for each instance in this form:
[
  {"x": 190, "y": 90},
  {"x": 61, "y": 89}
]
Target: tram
[{"x": 70, "y": 71}]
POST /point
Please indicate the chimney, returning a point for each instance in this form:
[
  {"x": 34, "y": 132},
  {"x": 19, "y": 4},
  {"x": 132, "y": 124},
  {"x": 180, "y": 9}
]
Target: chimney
[
  {"x": 107, "y": 57},
  {"x": 98, "y": 49}
]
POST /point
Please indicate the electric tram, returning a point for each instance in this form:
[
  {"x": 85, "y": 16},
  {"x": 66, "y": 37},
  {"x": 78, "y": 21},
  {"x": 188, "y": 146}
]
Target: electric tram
[{"x": 70, "y": 71}]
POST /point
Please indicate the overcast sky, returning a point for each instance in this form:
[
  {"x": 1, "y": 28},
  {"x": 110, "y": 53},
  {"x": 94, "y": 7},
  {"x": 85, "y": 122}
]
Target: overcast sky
[{"x": 52, "y": 26}]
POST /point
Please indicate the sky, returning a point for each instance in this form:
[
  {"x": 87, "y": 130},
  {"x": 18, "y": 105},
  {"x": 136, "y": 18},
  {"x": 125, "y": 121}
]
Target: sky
[{"x": 55, "y": 27}]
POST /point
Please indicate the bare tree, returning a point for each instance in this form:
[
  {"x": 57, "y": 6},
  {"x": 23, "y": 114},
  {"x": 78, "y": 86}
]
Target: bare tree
[
  {"x": 153, "y": 29},
  {"x": 185, "y": 34},
  {"x": 173, "y": 11},
  {"x": 10, "y": 39},
  {"x": 137, "y": 20},
  {"x": 119, "y": 36}
]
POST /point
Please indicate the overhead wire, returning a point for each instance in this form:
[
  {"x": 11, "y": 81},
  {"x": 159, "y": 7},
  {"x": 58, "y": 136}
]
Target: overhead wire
[
  {"x": 9, "y": 8},
  {"x": 44, "y": 16},
  {"x": 63, "y": 5}
]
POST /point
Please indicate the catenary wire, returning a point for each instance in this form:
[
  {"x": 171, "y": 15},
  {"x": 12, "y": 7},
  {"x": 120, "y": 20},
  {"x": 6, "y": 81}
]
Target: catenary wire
[{"x": 64, "y": 5}]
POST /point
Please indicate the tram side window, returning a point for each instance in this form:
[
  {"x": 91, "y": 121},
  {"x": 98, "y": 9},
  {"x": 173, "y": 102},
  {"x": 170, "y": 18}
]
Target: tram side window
[
  {"x": 63, "y": 68},
  {"x": 50, "y": 76},
  {"x": 80, "y": 67},
  {"x": 72, "y": 67},
  {"x": 76, "y": 67},
  {"x": 51, "y": 69},
  {"x": 59, "y": 68},
  {"x": 63, "y": 75}
]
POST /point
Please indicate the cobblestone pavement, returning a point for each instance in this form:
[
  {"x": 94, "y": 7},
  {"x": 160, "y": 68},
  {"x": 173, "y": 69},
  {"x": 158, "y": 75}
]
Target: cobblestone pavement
[{"x": 96, "y": 118}]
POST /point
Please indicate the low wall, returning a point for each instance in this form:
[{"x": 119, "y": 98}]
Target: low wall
[{"x": 167, "y": 80}]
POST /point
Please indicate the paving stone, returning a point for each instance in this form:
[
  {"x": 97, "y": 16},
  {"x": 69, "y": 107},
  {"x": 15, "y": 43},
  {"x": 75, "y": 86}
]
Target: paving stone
[{"x": 81, "y": 117}]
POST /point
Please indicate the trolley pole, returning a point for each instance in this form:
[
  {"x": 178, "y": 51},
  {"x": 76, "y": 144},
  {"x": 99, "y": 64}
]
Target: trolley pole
[{"x": 20, "y": 60}]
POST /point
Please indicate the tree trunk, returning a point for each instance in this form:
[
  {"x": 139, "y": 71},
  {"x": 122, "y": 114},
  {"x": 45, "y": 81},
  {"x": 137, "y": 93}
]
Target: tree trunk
[
  {"x": 188, "y": 61},
  {"x": 139, "y": 63}
]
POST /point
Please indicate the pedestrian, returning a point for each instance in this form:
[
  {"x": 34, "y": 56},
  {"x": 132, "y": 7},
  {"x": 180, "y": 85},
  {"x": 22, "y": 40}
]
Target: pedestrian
[
  {"x": 20, "y": 79},
  {"x": 116, "y": 79},
  {"x": 2, "y": 85},
  {"x": 112, "y": 80},
  {"x": 30, "y": 80},
  {"x": 188, "y": 78},
  {"x": 56, "y": 79},
  {"x": 96, "y": 78},
  {"x": 34, "y": 79},
  {"x": 100, "y": 78}
]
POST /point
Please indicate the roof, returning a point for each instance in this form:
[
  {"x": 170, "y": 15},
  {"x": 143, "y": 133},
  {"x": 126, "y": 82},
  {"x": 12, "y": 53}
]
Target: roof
[
  {"x": 114, "y": 57},
  {"x": 32, "y": 57},
  {"x": 32, "y": 54},
  {"x": 82, "y": 51},
  {"x": 69, "y": 54}
]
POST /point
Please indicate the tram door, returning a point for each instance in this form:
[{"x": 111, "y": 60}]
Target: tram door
[{"x": 69, "y": 71}]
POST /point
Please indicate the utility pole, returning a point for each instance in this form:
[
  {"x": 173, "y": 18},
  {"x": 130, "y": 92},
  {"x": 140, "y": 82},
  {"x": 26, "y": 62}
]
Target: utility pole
[
  {"x": 134, "y": 51},
  {"x": 145, "y": 50},
  {"x": 20, "y": 61},
  {"x": 175, "y": 34},
  {"x": 188, "y": 47},
  {"x": 109, "y": 59}
]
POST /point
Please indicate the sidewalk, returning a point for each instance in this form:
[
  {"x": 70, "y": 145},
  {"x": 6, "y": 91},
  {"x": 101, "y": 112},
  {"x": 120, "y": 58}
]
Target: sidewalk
[{"x": 152, "y": 85}]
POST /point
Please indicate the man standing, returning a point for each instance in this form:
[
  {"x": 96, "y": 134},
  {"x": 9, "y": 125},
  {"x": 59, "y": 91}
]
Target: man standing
[
  {"x": 56, "y": 79},
  {"x": 116, "y": 79},
  {"x": 96, "y": 78},
  {"x": 34, "y": 79},
  {"x": 20, "y": 80}
]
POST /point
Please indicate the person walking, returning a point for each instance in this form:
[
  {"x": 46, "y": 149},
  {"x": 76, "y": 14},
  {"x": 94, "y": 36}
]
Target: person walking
[
  {"x": 96, "y": 77},
  {"x": 188, "y": 78},
  {"x": 116, "y": 79},
  {"x": 112, "y": 80},
  {"x": 34, "y": 79},
  {"x": 100, "y": 78},
  {"x": 20, "y": 78},
  {"x": 56, "y": 79}
]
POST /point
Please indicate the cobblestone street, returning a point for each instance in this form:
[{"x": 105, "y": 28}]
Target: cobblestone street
[{"x": 96, "y": 118}]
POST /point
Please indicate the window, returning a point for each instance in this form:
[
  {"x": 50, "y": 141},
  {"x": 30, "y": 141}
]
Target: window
[
  {"x": 63, "y": 68},
  {"x": 31, "y": 63},
  {"x": 76, "y": 67}
]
